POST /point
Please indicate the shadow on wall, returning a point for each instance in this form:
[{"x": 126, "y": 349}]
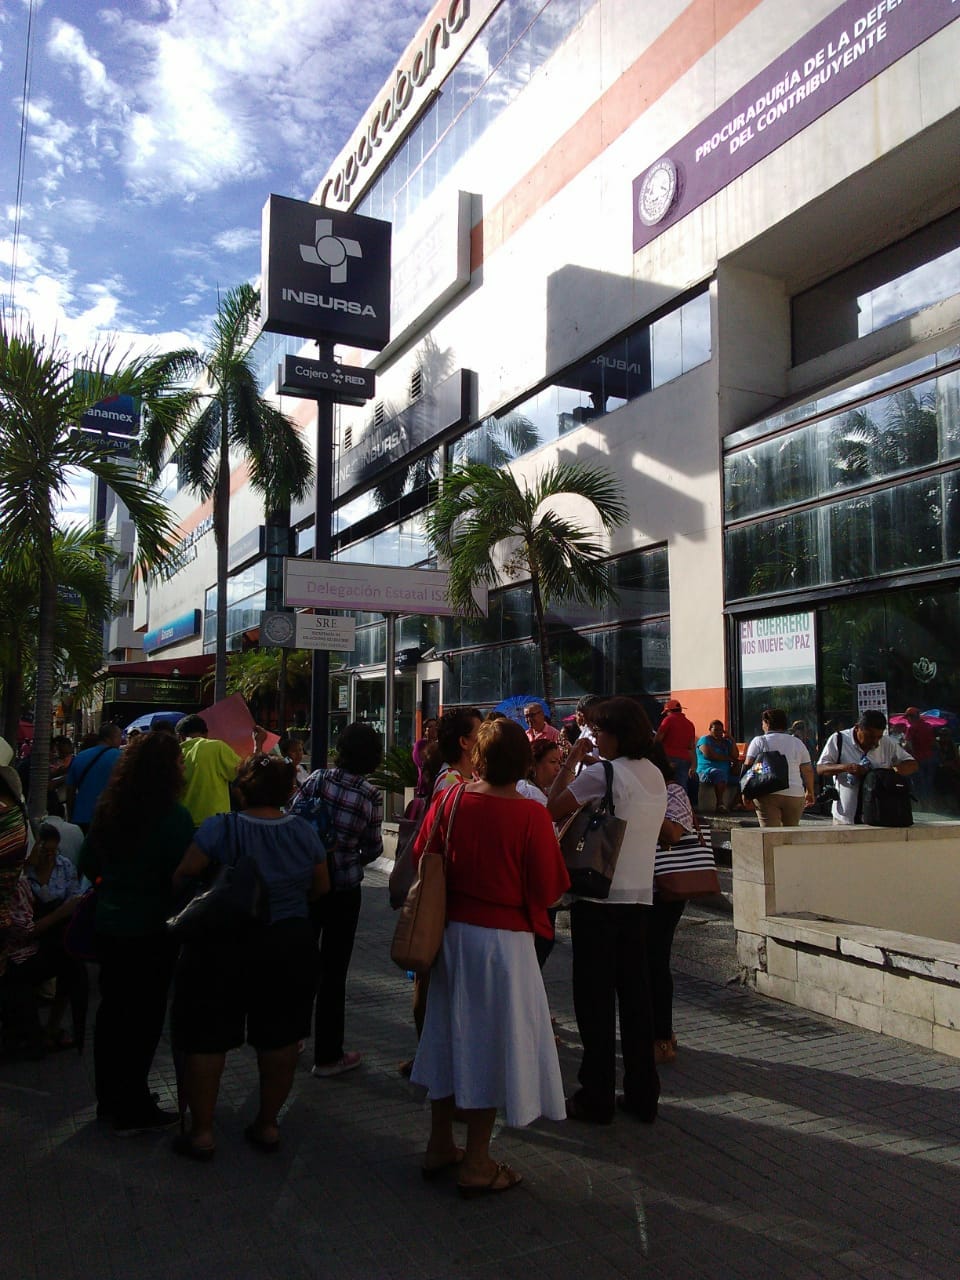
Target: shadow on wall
[{"x": 610, "y": 391}]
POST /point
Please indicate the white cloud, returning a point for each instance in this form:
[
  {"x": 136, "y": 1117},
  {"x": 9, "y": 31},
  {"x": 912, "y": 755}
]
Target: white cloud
[
  {"x": 237, "y": 239},
  {"x": 47, "y": 135},
  {"x": 229, "y": 88},
  {"x": 66, "y": 44}
]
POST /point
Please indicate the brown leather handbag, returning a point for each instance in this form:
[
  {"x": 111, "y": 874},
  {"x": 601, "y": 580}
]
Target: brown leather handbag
[{"x": 418, "y": 936}]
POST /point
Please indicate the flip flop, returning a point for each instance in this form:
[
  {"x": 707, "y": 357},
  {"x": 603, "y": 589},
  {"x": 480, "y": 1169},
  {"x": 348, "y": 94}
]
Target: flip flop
[
  {"x": 513, "y": 1179},
  {"x": 432, "y": 1171},
  {"x": 265, "y": 1145},
  {"x": 183, "y": 1145}
]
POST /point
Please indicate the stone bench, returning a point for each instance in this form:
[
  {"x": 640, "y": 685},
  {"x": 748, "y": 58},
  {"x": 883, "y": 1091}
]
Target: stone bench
[{"x": 858, "y": 923}]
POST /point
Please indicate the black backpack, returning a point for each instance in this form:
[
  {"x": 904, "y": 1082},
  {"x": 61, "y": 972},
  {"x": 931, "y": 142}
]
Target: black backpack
[{"x": 884, "y": 800}]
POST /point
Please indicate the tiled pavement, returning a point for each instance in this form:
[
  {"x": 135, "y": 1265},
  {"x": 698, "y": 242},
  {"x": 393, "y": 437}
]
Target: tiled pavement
[{"x": 787, "y": 1146}]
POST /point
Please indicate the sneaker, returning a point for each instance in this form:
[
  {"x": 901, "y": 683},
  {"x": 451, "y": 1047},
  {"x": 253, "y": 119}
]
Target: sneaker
[
  {"x": 149, "y": 1122},
  {"x": 347, "y": 1063}
]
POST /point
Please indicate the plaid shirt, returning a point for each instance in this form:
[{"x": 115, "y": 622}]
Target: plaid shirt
[{"x": 356, "y": 808}]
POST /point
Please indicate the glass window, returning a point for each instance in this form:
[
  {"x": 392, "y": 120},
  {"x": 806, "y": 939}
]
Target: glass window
[
  {"x": 597, "y": 386},
  {"x": 899, "y": 528},
  {"x": 773, "y": 555},
  {"x": 500, "y": 62},
  {"x": 896, "y": 282},
  {"x": 481, "y": 677},
  {"x": 666, "y": 349},
  {"x": 948, "y": 413},
  {"x": 905, "y": 640},
  {"x": 695, "y": 331},
  {"x": 893, "y": 434}
]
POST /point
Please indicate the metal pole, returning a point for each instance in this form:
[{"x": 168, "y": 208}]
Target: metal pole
[
  {"x": 390, "y": 671},
  {"x": 320, "y": 688}
]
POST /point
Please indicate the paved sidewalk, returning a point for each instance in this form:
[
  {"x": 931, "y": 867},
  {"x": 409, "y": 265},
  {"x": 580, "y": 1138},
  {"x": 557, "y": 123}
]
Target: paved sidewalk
[{"x": 787, "y": 1146}]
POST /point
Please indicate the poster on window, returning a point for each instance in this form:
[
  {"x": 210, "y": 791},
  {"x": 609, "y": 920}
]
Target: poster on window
[
  {"x": 778, "y": 651},
  {"x": 872, "y": 697}
]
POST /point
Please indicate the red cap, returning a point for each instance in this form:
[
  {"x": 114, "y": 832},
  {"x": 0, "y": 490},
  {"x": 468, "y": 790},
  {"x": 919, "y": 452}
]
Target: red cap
[{"x": 672, "y": 705}]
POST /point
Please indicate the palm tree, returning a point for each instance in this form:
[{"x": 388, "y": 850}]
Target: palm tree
[
  {"x": 84, "y": 603},
  {"x": 231, "y": 414},
  {"x": 265, "y": 678},
  {"x": 480, "y": 511},
  {"x": 44, "y": 394}
]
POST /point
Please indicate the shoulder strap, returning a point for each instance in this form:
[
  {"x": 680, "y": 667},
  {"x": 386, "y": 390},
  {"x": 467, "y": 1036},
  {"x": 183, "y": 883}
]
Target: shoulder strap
[
  {"x": 450, "y": 820},
  {"x": 87, "y": 767},
  {"x": 608, "y": 798},
  {"x": 457, "y": 789}
]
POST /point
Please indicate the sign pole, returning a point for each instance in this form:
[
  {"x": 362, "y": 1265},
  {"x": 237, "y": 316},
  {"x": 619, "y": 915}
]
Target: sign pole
[
  {"x": 390, "y": 689},
  {"x": 320, "y": 670}
]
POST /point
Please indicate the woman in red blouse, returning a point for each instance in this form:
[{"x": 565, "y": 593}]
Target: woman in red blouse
[{"x": 487, "y": 1040}]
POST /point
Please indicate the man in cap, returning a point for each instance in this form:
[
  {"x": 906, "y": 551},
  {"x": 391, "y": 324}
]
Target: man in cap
[{"x": 678, "y": 738}]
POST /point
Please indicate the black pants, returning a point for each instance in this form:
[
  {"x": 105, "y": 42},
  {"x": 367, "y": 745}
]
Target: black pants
[
  {"x": 135, "y": 976},
  {"x": 334, "y": 918},
  {"x": 664, "y": 918},
  {"x": 610, "y": 970}
]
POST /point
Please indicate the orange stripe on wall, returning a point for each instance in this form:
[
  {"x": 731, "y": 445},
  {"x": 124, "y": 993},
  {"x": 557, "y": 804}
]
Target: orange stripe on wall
[
  {"x": 703, "y": 705},
  {"x": 679, "y": 48}
]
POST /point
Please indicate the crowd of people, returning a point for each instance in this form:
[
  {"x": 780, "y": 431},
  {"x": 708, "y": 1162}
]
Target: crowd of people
[{"x": 151, "y": 823}]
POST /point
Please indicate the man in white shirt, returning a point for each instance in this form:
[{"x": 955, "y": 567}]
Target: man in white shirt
[{"x": 852, "y": 753}]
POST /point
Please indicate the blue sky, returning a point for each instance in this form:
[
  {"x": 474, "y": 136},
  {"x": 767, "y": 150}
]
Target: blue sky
[{"x": 156, "y": 130}]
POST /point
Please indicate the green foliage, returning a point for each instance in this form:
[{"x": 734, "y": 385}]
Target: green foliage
[
  {"x": 486, "y": 526},
  {"x": 228, "y": 413},
  {"x": 255, "y": 675},
  {"x": 397, "y": 771},
  {"x": 44, "y": 393}
]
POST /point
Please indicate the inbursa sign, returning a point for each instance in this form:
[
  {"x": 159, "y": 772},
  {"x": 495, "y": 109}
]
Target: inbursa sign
[{"x": 325, "y": 274}]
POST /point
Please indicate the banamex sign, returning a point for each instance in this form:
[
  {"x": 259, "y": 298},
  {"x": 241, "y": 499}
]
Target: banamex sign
[{"x": 325, "y": 274}]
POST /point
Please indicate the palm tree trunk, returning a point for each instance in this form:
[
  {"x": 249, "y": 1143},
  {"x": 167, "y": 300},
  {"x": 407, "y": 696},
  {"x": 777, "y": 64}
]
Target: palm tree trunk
[
  {"x": 43, "y": 711},
  {"x": 542, "y": 639},
  {"x": 221, "y": 533}
]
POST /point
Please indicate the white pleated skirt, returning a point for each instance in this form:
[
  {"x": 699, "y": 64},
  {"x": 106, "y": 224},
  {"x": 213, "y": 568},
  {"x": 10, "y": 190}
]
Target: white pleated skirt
[{"x": 487, "y": 1038}]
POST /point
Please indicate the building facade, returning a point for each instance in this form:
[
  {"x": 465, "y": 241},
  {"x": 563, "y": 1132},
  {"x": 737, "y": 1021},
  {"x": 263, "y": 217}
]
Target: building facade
[{"x": 712, "y": 245}]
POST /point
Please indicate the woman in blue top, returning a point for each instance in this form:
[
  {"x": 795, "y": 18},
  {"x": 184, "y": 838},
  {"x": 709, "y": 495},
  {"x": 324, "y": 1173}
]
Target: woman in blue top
[
  {"x": 257, "y": 987},
  {"x": 717, "y": 757}
]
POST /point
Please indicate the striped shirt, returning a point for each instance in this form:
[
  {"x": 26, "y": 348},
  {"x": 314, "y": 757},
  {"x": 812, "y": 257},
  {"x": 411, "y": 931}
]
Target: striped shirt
[
  {"x": 356, "y": 809},
  {"x": 13, "y": 851}
]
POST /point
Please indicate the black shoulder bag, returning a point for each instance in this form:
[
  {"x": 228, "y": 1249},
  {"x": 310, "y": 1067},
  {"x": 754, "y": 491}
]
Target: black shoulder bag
[
  {"x": 590, "y": 843},
  {"x": 236, "y": 900}
]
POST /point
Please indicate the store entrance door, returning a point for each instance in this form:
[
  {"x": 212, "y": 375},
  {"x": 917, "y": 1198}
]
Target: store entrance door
[{"x": 370, "y": 705}]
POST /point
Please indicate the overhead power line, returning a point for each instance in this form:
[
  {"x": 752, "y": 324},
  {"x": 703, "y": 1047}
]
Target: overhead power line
[{"x": 22, "y": 154}]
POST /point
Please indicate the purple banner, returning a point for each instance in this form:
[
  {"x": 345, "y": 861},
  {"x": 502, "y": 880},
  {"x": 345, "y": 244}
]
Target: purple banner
[{"x": 840, "y": 55}]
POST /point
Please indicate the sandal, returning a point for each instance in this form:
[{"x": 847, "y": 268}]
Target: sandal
[
  {"x": 267, "y": 1145},
  {"x": 432, "y": 1171},
  {"x": 183, "y": 1145},
  {"x": 504, "y": 1179}
]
